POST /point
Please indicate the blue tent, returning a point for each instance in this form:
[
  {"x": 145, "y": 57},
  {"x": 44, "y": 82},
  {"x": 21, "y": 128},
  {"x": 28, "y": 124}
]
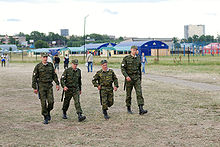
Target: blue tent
[
  {"x": 76, "y": 49},
  {"x": 97, "y": 46},
  {"x": 143, "y": 46},
  {"x": 52, "y": 51}
]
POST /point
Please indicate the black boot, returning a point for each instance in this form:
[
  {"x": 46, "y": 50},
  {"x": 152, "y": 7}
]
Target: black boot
[
  {"x": 64, "y": 115},
  {"x": 80, "y": 117},
  {"x": 129, "y": 110},
  {"x": 105, "y": 114},
  {"x": 45, "y": 119},
  {"x": 141, "y": 110},
  {"x": 49, "y": 117}
]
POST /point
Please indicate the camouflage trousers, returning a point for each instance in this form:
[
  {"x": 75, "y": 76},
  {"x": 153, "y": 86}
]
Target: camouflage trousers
[
  {"x": 46, "y": 98},
  {"x": 72, "y": 92},
  {"x": 107, "y": 98},
  {"x": 137, "y": 86}
]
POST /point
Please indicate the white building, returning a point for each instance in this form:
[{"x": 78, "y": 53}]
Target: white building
[{"x": 191, "y": 30}]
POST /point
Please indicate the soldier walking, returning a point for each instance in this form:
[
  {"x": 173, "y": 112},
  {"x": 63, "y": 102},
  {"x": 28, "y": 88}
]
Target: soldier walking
[
  {"x": 131, "y": 69},
  {"x": 103, "y": 80},
  {"x": 43, "y": 76},
  {"x": 71, "y": 83}
]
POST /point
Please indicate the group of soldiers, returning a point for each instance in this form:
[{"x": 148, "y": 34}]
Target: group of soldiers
[{"x": 44, "y": 74}]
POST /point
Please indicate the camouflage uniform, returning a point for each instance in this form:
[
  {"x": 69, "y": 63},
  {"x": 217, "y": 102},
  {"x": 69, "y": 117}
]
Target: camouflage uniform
[
  {"x": 105, "y": 80},
  {"x": 44, "y": 75},
  {"x": 131, "y": 67},
  {"x": 72, "y": 80}
]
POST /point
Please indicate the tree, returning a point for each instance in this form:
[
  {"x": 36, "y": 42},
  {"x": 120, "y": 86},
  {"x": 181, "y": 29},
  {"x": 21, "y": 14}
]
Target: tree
[
  {"x": 41, "y": 44},
  {"x": 21, "y": 34},
  {"x": 195, "y": 38},
  {"x": 202, "y": 38},
  {"x": 175, "y": 42},
  {"x": 210, "y": 38},
  {"x": 35, "y": 35},
  {"x": 190, "y": 40},
  {"x": 12, "y": 40},
  {"x": 218, "y": 38},
  {"x": 2, "y": 40}
]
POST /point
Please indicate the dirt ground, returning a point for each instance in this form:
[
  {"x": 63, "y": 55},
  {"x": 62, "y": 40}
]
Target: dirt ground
[{"x": 178, "y": 115}]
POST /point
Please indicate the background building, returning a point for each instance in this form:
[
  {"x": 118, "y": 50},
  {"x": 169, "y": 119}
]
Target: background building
[
  {"x": 64, "y": 32},
  {"x": 191, "y": 30}
]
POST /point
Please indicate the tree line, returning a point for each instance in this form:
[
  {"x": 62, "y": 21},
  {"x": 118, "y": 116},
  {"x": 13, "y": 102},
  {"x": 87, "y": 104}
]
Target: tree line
[
  {"x": 197, "y": 40},
  {"x": 41, "y": 40}
]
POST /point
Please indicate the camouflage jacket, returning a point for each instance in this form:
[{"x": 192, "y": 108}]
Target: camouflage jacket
[
  {"x": 71, "y": 78},
  {"x": 131, "y": 66},
  {"x": 44, "y": 74},
  {"x": 105, "y": 79}
]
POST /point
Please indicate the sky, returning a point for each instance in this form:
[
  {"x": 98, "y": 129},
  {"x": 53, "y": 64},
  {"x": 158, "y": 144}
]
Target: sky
[{"x": 130, "y": 18}]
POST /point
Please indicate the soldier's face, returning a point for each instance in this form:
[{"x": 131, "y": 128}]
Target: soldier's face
[
  {"x": 74, "y": 66},
  {"x": 44, "y": 59},
  {"x": 104, "y": 66},
  {"x": 133, "y": 51}
]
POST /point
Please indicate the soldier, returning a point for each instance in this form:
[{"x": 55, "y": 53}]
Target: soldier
[
  {"x": 131, "y": 69},
  {"x": 42, "y": 79},
  {"x": 103, "y": 80},
  {"x": 71, "y": 83}
]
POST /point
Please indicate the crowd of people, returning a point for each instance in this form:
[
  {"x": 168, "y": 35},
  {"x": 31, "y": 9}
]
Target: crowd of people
[{"x": 105, "y": 80}]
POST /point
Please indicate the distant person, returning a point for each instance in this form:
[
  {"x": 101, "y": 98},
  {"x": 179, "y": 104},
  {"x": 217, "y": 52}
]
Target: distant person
[
  {"x": 66, "y": 61},
  {"x": 56, "y": 62},
  {"x": 143, "y": 61},
  {"x": 50, "y": 58},
  {"x": 3, "y": 59},
  {"x": 90, "y": 60},
  {"x": 103, "y": 80},
  {"x": 43, "y": 76}
]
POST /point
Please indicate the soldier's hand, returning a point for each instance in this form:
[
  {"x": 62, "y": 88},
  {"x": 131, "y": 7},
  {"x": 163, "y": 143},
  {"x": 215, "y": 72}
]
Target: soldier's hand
[
  {"x": 99, "y": 87},
  {"x": 65, "y": 88},
  {"x": 128, "y": 79},
  {"x": 115, "y": 88},
  {"x": 57, "y": 87},
  {"x": 35, "y": 91}
]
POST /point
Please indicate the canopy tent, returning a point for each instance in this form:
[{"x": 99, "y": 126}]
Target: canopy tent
[
  {"x": 122, "y": 48},
  {"x": 143, "y": 46},
  {"x": 52, "y": 51},
  {"x": 76, "y": 49},
  {"x": 107, "y": 48},
  {"x": 8, "y": 47},
  {"x": 97, "y": 46},
  {"x": 212, "y": 48},
  {"x": 39, "y": 50}
]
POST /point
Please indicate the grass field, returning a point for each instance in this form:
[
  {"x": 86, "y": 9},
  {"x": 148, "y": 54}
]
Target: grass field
[{"x": 178, "y": 115}]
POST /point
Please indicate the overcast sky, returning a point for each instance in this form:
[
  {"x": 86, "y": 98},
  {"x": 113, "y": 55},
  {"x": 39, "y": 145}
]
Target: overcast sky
[{"x": 131, "y": 18}]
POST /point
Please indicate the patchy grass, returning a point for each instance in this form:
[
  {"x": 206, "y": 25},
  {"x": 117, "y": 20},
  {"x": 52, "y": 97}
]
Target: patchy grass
[{"x": 178, "y": 116}]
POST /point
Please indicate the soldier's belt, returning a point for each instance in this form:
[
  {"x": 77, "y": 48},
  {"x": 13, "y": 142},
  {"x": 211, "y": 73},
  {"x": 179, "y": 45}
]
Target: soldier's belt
[
  {"x": 107, "y": 86},
  {"x": 45, "y": 82},
  {"x": 71, "y": 87}
]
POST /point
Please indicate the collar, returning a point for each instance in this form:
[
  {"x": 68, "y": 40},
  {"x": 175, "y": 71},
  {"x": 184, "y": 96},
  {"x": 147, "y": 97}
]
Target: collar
[
  {"x": 74, "y": 69},
  {"x": 106, "y": 70},
  {"x": 133, "y": 55},
  {"x": 45, "y": 63}
]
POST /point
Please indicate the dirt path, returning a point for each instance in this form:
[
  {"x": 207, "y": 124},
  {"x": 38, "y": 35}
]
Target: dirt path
[{"x": 186, "y": 83}]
